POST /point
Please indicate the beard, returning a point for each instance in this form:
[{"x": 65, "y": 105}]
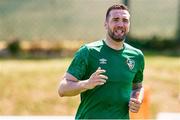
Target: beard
[{"x": 117, "y": 38}]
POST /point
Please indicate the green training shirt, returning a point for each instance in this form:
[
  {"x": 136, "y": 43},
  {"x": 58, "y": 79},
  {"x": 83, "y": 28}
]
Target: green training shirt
[{"x": 123, "y": 68}]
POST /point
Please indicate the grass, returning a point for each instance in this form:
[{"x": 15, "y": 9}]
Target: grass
[
  {"x": 162, "y": 78},
  {"x": 29, "y": 87}
]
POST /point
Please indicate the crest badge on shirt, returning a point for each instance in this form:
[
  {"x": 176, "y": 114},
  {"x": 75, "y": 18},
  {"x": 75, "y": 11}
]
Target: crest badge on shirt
[
  {"x": 102, "y": 61},
  {"x": 130, "y": 63}
]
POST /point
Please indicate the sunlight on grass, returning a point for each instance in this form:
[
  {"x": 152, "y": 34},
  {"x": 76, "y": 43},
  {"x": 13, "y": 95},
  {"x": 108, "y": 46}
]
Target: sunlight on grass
[
  {"x": 163, "y": 80},
  {"x": 29, "y": 87}
]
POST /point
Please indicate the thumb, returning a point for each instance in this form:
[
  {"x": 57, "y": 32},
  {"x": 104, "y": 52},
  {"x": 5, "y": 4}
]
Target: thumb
[
  {"x": 99, "y": 68},
  {"x": 137, "y": 95}
]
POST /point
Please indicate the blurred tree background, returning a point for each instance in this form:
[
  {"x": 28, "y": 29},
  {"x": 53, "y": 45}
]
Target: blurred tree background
[{"x": 58, "y": 20}]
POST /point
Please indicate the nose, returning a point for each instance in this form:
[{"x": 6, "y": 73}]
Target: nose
[{"x": 120, "y": 24}]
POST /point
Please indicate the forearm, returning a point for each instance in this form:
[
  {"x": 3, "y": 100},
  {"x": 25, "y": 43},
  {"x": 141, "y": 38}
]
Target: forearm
[
  {"x": 136, "y": 98},
  {"x": 71, "y": 88},
  {"x": 138, "y": 93}
]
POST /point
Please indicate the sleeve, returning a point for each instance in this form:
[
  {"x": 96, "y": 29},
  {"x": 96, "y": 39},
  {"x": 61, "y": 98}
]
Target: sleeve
[
  {"x": 139, "y": 75},
  {"x": 79, "y": 63}
]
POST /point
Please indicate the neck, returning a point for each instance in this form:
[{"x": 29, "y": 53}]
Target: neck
[{"x": 113, "y": 44}]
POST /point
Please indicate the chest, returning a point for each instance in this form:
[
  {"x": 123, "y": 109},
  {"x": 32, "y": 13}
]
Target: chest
[{"x": 120, "y": 68}]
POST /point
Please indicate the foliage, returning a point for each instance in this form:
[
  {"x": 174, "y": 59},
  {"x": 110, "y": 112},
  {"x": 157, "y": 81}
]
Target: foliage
[
  {"x": 154, "y": 43},
  {"x": 67, "y": 48},
  {"x": 14, "y": 46}
]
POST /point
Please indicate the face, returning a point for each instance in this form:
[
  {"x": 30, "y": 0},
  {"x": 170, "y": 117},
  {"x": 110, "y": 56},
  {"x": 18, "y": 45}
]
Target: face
[{"x": 117, "y": 24}]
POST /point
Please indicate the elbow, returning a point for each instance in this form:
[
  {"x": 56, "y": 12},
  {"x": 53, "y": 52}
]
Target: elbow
[
  {"x": 60, "y": 92},
  {"x": 61, "y": 89},
  {"x": 61, "y": 95}
]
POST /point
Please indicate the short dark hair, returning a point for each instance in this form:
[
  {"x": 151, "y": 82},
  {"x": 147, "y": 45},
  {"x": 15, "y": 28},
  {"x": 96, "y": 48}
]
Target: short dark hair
[{"x": 114, "y": 7}]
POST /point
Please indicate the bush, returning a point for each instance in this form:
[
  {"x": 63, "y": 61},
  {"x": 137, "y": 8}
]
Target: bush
[
  {"x": 155, "y": 43},
  {"x": 14, "y": 46}
]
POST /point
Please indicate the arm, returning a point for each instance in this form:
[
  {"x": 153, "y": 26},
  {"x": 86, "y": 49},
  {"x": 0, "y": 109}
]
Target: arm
[
  {"x": 70, "y": 86},
  {"x": 136, "y": 97},
  {"x": 137, "y": 88}
]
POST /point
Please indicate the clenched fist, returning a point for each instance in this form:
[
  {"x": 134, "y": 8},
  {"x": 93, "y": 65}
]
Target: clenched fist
[
  {"x": 136, "y": 101},
  {"x": 97, "y": 78}
]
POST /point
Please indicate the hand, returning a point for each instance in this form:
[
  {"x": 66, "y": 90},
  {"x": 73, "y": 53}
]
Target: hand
[
  {"x": 96, "y": 79},
  {"x": 135, "y": 103}
]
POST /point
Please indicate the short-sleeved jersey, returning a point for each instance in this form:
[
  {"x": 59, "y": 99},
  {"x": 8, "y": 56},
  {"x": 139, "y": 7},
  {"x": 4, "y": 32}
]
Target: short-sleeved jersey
[{"x": 123, "y": 68}]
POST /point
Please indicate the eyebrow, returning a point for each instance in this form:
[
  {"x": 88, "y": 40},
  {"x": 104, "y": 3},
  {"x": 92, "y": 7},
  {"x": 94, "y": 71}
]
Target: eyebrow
[{"x": 116, "y": 18}]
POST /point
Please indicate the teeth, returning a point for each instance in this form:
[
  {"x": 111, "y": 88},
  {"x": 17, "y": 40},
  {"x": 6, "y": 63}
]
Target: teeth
[{"x": 120, "y": 31}]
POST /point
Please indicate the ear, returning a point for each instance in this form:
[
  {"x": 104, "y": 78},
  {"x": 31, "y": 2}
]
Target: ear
[
  {"x": 128, "y": 27},
  {"x": 105, "y": 24}
]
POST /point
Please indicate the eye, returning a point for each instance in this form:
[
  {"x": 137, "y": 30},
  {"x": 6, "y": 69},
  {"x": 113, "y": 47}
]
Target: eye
[
  {"x": 115, "y": 19},
  {"x": 125, "y": 20}
]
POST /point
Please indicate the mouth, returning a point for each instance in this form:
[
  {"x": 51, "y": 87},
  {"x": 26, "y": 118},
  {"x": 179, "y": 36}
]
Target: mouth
[{"x": 119, "y": 32}]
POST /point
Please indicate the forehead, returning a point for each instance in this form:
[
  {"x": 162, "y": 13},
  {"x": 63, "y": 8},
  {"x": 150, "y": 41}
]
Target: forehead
[{"x": 119, "y": 14}]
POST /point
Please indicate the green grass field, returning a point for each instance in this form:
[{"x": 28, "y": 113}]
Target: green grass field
[{"x": 29, "y": 87}]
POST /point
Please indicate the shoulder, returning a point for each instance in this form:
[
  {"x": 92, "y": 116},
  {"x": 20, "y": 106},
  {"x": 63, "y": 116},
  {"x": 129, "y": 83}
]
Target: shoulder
[
  {"x": 137, "y": 53},
  {"x": 87, "y": 48},
  {"x": 133, "y": 50},
  {"x": 94, "y": 46}
]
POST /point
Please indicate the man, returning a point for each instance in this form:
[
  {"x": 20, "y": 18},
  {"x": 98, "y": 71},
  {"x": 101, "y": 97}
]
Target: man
[{"x": 107, "y": 73}]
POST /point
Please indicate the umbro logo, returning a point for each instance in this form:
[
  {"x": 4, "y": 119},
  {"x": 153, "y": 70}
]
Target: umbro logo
[{"x": 102, "y": 61}]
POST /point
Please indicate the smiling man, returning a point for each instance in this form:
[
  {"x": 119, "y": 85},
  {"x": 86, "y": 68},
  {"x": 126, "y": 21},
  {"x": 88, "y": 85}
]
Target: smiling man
[{"x": 108, "y": 73}]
